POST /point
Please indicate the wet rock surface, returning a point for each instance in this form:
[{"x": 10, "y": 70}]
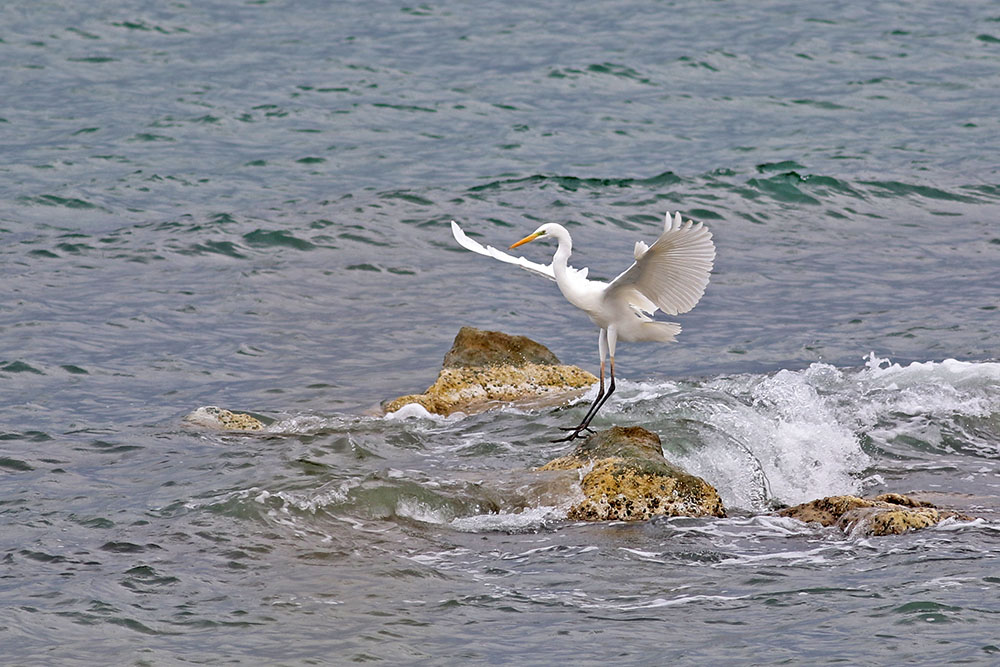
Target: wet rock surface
[
  {"x": 886, "y": 514},
  {"x": 211, "y": 416},
  {"x": 476, "y": 347},
  {"x": 625, "y": 477},
  {"x": 486, "y": 368},
  {"x": 616, "y": 474}
]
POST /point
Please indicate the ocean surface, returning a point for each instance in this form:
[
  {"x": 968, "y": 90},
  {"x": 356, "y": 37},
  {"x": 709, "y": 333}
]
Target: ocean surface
[{"x": 246, "y": 204}]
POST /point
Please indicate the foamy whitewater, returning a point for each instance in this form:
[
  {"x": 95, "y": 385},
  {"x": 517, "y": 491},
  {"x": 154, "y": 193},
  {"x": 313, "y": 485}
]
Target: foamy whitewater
[{"x": 763, "y": 441}]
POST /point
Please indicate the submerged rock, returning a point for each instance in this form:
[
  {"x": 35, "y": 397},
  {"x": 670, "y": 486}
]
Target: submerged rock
[
  {"x": 226, "y": 420},
  {"x": 625, "y": 477},
  {"x": 485, "y": 368},
  {"x": 887, "y": 514}
]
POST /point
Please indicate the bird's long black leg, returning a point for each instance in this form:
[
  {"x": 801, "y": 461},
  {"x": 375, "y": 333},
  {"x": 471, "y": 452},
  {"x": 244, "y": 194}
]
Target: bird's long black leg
[
  {"x": 605, "y": 344},
  {"x": 599, "y": 404},
  {"x": 578, "y": 430},
  {"x": 587, "y": 417}
]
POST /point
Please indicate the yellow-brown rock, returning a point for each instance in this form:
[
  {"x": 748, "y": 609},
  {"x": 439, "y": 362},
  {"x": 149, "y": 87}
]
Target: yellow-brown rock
[
  {"x": 487, "y": 368},
  {"x": 624, "y": 477},
  {"x": 887, "y": 514},
  {"x": 476, "y": 348},
  {"x": 225, "y": 420}
]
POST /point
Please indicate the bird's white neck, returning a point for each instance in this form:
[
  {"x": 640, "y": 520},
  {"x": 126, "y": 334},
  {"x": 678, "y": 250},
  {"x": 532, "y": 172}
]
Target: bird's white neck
[
  {"x": 573, "y": 286},
  {"x": 560, "y": 260}
]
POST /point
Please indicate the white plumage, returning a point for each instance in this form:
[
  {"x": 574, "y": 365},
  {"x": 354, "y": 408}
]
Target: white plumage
[{"x": 670, "y": 275}]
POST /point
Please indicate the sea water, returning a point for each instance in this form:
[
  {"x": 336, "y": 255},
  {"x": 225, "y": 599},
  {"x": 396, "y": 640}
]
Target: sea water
[{"x": 246, "y": 204}]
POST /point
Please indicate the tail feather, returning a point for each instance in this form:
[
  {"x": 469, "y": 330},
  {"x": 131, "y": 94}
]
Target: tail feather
[{"x": 662, "y": 332}]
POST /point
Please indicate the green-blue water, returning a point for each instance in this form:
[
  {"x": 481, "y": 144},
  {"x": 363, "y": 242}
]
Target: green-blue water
[{"x": 246, "y": 204}]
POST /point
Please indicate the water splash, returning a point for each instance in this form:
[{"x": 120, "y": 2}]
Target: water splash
[
  {"x": 528, "y": 520},
  {"x": 793, "y": 436},
  {"x": 765, "y": 440}
]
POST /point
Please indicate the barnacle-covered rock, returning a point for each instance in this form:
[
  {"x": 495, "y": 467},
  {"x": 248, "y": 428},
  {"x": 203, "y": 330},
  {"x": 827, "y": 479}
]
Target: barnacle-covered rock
[
  {"x": 475, "y": 347},
  {"x": 486, "y": 368},
  {"x": 623, "y": 476},
  {"x": 887, "y": 514},
  {"x": 226, "y": 420}
]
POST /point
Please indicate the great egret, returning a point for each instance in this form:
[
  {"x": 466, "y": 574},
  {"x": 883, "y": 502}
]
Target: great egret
[{"x": 670, "y": 275}]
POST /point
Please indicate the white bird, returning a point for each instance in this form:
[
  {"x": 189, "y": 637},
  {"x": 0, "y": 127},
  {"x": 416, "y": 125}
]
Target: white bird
[{"x": 670, "y": 275}]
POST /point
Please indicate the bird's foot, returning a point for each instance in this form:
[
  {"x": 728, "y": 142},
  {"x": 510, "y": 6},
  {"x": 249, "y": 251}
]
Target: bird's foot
[
  {"x": 577, "y": 429},
  {"x": 576, "y": 433}
]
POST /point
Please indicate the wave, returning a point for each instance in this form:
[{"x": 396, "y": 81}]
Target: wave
[
  {"x": 763, "y": 440},
  {"x": 767, "y": 440},
  {"x": 795, "y": 435}
]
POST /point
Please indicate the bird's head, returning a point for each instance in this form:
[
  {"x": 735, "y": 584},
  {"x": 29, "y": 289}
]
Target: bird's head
[{"x": 548, "y": 229}]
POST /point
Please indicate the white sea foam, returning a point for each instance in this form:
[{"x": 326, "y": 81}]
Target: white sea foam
[
  {"x": 528, "y": 519},
  {"x": 774, "y": 437},
  {"x": 673, "y": 602},
  {"x": 932, "y": 387},
  {"x": 414, "y": 411},
  {"x": 930, "y": 402},
  {"x": 442, "y": 560},
  {"x": 311, "y": 502},
  {"x": 950, "y": 371},
  {"x": 796, "y": 435},
  {"x": 417, "y": 510},
  {"x": 758, "y": 526},
  {"x": 951, "y": 524},
  {"x": 631, "y": 392}
]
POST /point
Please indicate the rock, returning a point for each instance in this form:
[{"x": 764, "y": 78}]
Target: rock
[
  {"x": 214, "y": 417},
  {"x": 477, "y": 348},
  {"x": 485, "y": 368},
  {"x": 887, "y": 514},
  {"x": 624, "y": 477}
]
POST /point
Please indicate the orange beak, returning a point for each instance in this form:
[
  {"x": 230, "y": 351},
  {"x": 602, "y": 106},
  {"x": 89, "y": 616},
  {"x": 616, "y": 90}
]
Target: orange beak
[{"x": 526, "y": 239}]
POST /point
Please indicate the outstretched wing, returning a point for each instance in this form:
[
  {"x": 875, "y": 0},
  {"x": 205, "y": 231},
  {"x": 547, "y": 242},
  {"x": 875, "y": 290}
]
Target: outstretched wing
[
  {"x": 490, "y": 251},
  {"x": 672, "y": 273}
]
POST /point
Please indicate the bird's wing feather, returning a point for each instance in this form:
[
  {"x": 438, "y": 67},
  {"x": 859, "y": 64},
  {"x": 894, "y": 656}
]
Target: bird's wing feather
[
  {"x": 540, "y": 269},
  {"x": 673, "y": 273}
]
